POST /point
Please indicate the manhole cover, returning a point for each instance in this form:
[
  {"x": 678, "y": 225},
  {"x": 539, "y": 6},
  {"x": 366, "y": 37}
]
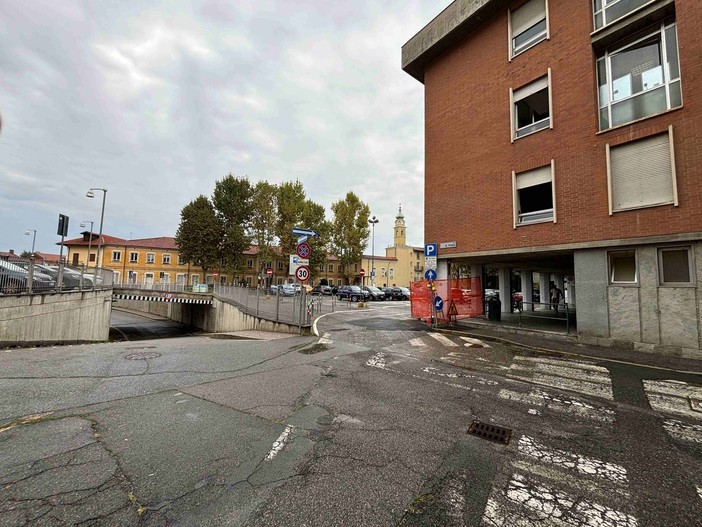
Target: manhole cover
[
  {"x": 490, "y": 432},
  {"x": 143, "y": 356}
]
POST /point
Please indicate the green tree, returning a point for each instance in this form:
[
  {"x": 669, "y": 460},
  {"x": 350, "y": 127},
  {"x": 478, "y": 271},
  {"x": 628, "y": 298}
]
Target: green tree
[
  {"x": 291, "y": 202},
  {"x": 199, "y": 233},
  {"x": 232, "y": 199},
  {"x": 263, "y": 220},
  {"x": 350, "y": 231}
]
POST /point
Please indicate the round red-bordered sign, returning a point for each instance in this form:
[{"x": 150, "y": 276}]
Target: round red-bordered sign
[
  {"x": 303, "y": 250},
  {"x": 302, "y": 273}
]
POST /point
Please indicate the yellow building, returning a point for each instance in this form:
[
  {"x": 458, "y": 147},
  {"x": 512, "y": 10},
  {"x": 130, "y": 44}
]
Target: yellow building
[{"x": 404, "y": 263}]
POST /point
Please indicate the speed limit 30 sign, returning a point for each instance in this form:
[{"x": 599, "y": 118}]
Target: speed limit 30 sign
[{"x": 302, "y": 273}]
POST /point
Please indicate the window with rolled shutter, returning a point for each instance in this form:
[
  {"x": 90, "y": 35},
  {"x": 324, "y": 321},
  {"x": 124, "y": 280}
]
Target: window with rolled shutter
[
  {"x": 642, "y": 173},
  {"x": 528, "y": 25}
]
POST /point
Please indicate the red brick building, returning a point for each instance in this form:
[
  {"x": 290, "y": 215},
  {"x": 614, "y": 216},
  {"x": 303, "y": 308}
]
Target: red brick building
[{"x": 565, "y": 139}]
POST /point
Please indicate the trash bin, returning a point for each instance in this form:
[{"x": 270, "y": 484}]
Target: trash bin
[{"x": 494, "y": 309}]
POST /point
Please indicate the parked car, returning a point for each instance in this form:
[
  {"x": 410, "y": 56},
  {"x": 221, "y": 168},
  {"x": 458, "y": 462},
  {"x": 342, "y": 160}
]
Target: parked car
[
  {"x": 388, "y": 293},
  {"x": 14, "y": 279},
  {"x": 273, "y": 290},
  {"x": 324, "y": 290},
  {"x": 71, "y": 279},
  {"x": 400, "y": 293},
  {"x": 350, "y": 292},
  {"x": 287, "y": 290},
  {"x": 373, "y": 292}
]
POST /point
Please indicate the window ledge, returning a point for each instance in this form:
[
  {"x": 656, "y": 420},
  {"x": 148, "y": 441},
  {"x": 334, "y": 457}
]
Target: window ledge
[
  {"x": 517, "y": 138},
  {"x": 643, "y": 207},
  {"x": 624, "y": 284},
  {"x": 677, "y": 285},
  {"x": 637, "y": 121},
  {"x": 548, "y": 220}
]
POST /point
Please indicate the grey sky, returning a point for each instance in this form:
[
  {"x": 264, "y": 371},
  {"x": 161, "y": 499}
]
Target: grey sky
[{"x": 156, "y": 100}]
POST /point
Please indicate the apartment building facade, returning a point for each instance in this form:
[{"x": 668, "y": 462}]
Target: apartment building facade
[{"x": 565, "y": 139}]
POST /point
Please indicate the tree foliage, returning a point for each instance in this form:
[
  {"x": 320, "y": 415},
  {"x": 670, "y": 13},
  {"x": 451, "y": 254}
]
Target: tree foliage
[
  {"x": 291, "y": 202},
  {"x": 232, "y": 199},
  {"x": 313, "y": 217},
  {"x": 264, "y": 219},
  {"x": 350, "y": 230},
  {"x": 199, "y": 234}
]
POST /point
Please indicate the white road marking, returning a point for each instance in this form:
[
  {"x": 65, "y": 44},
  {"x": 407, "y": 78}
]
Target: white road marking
[
  {"x": 479, "y": 380},
  {"x": 325, "y": 339},
  {"x": 444, "y": 341},
  {"x": 571, "y": 406},
  {"x": 474, "y": 343},
  {"x": 570, "y": 375},
  {"x": 675, "y": 397},
  {"x": 531, "y": 447},
  {"x": 683, "y": 431},
  {"x": 377, "y": 360},
  {"x": 699, "y": 491},
  {"x": 417, "y": 343},
  {"x": 279, "y": 443},
  {"x": 541, "y": 505}
]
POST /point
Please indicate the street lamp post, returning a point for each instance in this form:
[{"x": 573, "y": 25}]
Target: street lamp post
[
  {"x": 373, "y": 221},
  {"x": 91, "y": 194},
  {"x": 34, "y": 237},
  {"x": 90, "y": 241}
]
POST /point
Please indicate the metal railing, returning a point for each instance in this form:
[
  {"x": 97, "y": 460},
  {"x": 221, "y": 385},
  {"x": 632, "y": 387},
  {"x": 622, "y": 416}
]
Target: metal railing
[
  {"x": 548, "y": 311},
  {"x": 26, "y": 277}
]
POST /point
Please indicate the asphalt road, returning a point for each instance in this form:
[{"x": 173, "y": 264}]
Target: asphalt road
[
  {"x": 128, "y": 325},
  {"x": 366, "y": 425}
]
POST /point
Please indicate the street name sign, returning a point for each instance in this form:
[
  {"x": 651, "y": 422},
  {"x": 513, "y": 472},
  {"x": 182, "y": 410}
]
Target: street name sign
[
  {"x": 304, "y": 232},
  {"x": 296, "y": 261},
  {"x": 447, "y": 245}
]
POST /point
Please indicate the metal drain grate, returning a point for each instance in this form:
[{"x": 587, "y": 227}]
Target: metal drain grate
[
  {"x": 490, "y": 432},
  {"x": 142, "y": 356}
]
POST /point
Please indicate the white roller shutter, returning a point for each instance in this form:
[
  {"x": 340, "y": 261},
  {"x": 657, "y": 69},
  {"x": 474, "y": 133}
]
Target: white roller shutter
[
  {"x": 642, "y": 173},
  {"x": 534, "y": 177},
  {"x": 528, "y": 15}
]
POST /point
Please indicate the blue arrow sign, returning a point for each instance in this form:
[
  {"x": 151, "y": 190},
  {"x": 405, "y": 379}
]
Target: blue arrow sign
[
  {"x": 304, "y": 232},
  {"x": 430, "y": 274},
  {"x": 438, "y": 303}
]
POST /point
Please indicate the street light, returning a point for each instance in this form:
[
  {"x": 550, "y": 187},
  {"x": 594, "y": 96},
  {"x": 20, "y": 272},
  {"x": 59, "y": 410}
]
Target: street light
[
  {"x": 91, "y": 194},
  {"x": 373, "y": 221},
  {"x": 90, "y": 240},
  {"x": 34, "y": 237}
]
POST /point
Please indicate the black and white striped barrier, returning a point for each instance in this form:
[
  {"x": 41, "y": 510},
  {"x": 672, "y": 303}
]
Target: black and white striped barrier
[{"x": 165, "y": 298}]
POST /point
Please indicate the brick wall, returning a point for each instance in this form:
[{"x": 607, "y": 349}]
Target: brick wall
[{"x": 470, "y": 159}]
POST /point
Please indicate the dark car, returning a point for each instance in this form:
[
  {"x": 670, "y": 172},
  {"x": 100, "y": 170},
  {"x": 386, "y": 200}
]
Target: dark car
[
  {"x": 13, "y": 279},
  {"x": 70, "y": 279},
  {"x": 350, "y": 292},
  {"x": 321, "y": 290},
  {"x": 373, "y": 292},
  {"x": 400, "y": 293},
  {"x": 388, "y": 293}
]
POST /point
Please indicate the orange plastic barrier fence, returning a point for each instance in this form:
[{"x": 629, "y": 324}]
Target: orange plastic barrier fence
[{"x": 463, "y": 298}]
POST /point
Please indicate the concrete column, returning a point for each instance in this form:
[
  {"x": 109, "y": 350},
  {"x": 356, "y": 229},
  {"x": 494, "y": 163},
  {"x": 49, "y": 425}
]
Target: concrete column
[
  {"x": 476, "y": 271},
  {"x": 571, "y": 293},
  {"x": 505, "y": 288},
  {"x": 544, "y": 289},
  {"x": 442, "y": 269},
  {"x": 527, "y": 288}
]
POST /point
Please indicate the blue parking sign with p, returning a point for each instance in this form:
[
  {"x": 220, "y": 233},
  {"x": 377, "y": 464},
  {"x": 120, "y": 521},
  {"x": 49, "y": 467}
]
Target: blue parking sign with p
[{"x": 430, "y": 249}]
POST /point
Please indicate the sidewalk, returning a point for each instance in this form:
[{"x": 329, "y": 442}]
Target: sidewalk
[{"x": 568, "y": 345}]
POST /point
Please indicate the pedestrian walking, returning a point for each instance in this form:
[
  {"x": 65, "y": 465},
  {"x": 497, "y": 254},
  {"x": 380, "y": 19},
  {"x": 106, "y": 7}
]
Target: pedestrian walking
[{"x": 556, "y": 296}]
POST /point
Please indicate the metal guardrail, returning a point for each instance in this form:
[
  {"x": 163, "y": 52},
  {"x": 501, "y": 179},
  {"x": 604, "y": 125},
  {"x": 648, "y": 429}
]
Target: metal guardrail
[{"x": 26, "y": 277}]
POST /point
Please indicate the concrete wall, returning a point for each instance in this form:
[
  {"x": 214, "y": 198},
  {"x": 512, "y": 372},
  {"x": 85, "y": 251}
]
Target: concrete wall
[
  {"x": 55, "y": 318},
  {"x": 643, "y": 316},
  {"x": 220, "y": 317}
]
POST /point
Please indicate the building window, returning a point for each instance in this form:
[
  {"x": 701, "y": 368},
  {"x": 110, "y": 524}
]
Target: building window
[
  {"x": 528, "y": 26},
  {"x": 321, "y": 268},
  {"x": 534, "y": 196},
  {"x": 181, "y": 278},
  {"x": 675, "y": 266},
  {"x": 392, "y": 273},
  {"x": 642, "y": 173},
  {"x": 531, "y": 107},
  {"x": 382, "y": 271},
  {"x": 330, "y": 268},
  {"x": 166, "y": 259},
  {"x": 148, "y": 278},
  {"x": 92, "y": 257},
  {"x": 195, "y": 279},
  {"x": 116, "y": 256},
  {"x": 164, "y": 278},
  {"x": 279, "y": 281},
  {"x": 249, "y": 264},
  {"x": 340, "y": 268},
  {"x": 223, "y": 262},
  {"x": 248, "y": 281},
  {"x": 640, "y": 79},
  {"x": 150, "y": 258},
  {"x": 280, "y": 267},
  {"x": 133, "y": 257},
  {"x": 608, "y": 11},
  {"x": 181, "y": 260},
  {"x": 338, "y": 281},
  {"x": 132, "y": 277},
  {"x": 622, "y": 267}
]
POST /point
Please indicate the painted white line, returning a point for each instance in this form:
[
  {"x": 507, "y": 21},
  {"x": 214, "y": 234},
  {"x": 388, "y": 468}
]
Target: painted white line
[
  {"x": 325, "y": 339},
  {"x": 531, "y": 447},
  {"x": 443, "y": 340},
  {"x": 568, "y": 363},
  {"x": 683, "y": 431},
  {"x": 572, "y": 406},
  {"x": 577, "y": 377},
  {"x": 675, "y": 397},
  {"x": 279, "y": 443},
  {"x": 479, "y": 380},
  {"x": 541, "y": 505},
  {"x": 699, "y": 491},
  {"x": 417, "y": 343},
  {"x": 474, "y": 343}
]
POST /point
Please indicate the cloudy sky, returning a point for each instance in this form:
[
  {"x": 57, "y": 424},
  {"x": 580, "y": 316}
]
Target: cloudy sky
[{"x": 156, "y": 100}]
